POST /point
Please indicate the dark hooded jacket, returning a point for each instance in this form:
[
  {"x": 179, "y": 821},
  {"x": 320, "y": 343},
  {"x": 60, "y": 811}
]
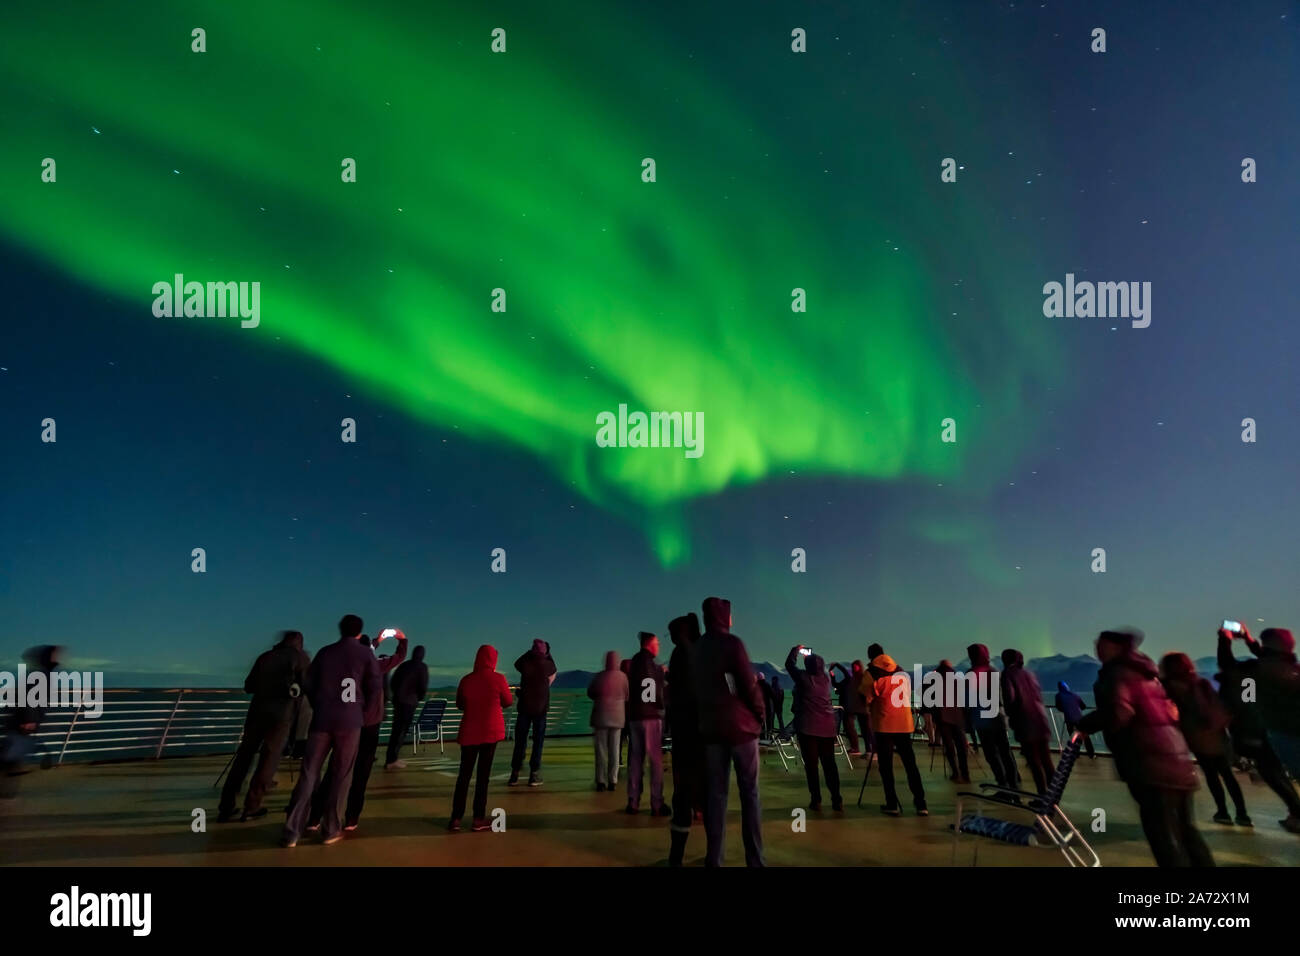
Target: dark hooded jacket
[
  {"x": 411, "y": 680},
  {"x": 480, "y": 697},
  {"x": 979, "y": 664},
  {"x": 683, "y": 710},
  {"x": 813, "y": 712},
  {"x": 641, "y": 670},
  {"x": 1140, "y": 725},
  {"x": 1023, "y": 698},
  {"x": 608, "y": 691},
  {"x": 1276, "y": 699},
  {"x": 949, "y": 712},
  {"x": 276, "y": 679},
  {"x": 536, "y": 667},
  {"x": 730, "y": 702},
  {"x": 345, "y": 659},
  {"x": 1202, "y": 717},
  {"x": 1069, "y": 703}
]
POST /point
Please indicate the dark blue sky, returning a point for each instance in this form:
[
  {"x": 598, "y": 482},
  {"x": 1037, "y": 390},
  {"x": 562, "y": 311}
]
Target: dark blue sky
[{"x": 173, "y": 436}]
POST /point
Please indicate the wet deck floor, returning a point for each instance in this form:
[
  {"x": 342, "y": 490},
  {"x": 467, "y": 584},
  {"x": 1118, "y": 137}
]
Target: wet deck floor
[{"x": 140, "y": 813}]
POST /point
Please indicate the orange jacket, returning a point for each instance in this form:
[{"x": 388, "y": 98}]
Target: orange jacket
[{"x": 889, "y": 698}]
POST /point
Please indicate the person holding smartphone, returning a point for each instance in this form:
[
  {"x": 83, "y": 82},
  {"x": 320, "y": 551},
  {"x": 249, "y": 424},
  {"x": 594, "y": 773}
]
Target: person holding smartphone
[
  {"x": 1264, "y": 697},
  {"x": 814, "y": 722}
]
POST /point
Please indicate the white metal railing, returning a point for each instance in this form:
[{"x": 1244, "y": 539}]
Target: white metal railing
[{"x": 143, "y": 723}]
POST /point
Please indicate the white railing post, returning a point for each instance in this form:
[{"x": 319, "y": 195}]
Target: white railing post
[{"x": 162, "y": 742}]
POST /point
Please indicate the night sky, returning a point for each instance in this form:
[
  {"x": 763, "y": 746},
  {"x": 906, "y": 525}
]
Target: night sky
[{"x": 522, "y": 170}]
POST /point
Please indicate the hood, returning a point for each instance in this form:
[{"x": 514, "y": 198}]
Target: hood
[
  {"x": 417, "y": 655},
  {"x": 717, "y": 615},
  {"x": 1012, "y": 658},
  {"x": 883, "y": 662},
  {"x": 365, "y": 640},
  {"x": 978, "y": 654},
  {"x": 291, "y": 639},
  {"x": 814, "y": 664},
  {"x": 612, "y": 661},
  {"x": 1279, "y": 640},
  {"x": 486, "y": 658},
  {"x": 945, "y": 667},
  {"x": 44, "y": 657},
  {"x": 539, "y": 646},
  {"x": 684, "y": 629},
  {"x": 1063, "y": 687}
]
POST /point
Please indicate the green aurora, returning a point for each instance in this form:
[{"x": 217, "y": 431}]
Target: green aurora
[{"x": 523, "y": 171}]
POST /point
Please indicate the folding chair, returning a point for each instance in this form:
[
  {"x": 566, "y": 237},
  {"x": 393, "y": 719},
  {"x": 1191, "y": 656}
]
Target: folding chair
[
  {"x": 781, "y": 739},
  {"x": 1050, "y": 822},
  {"x": 840, "y": 746},
  {"x": 428, "y": 726}
]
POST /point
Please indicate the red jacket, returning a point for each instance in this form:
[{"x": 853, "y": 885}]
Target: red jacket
[{"x": 481, "y": 695}]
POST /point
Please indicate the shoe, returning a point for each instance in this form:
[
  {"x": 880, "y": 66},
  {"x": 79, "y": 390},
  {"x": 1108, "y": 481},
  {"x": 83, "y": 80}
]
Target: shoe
[
  {"x": 395, "y": 765},
  {"x": 922, "y": 812},
  {"x": 855, "y": 753},
  {"x": 955, "y": 778},
  {"x": 630, "y": 809},
  {"x": 350, "y": 826},
  {"x": 331, "y": 840},
  {"x": 891, "y": 811},
  {"x": 815, "y": 807},
  {"x": 288, "y": 843},
  {"x": 313, "y": 827},
  {"x": 837, "y": 806},
  {"x": 534, "y": 780},
  {"x": 1244, "y": 820},
  {"x": 1291, "y": 823},
  {"x": 255, "y": 815},
  {"x": 664, "y": 811},
  {"x": 480, "y": 825},
  {"x": 964, "y": 780},
  {"x": 514, "y": 779},
  {"x": 600, "y": 788},
  {"x": 225, "y": 816},
  {"x": 454, "y": 826},
  {"x": 1222, "y": 817}
]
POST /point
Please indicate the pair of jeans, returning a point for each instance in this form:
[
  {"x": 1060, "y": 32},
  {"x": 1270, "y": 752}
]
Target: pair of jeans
[
  {"x": 1218, "y": 774},
  {"x": 1169, "y": 827},
  {"x": 688, "y": 791},
  {"x": 403, "y": 717},
  {"x": 1270, "y": 770},
  {"x": 1038, "y": 755},
  {"x": 367, "y": 745},
  {"x": 954, "y": 749},
  {"x": 264, "y": 737},
  {"x": 607, "y": 743},
  {"x": 474, "y": 759},
  {"x": 997, "y": 751},
  {"x": 815, "y": 749},
  {"x": 886, "y": 746},
  {"x": 524, "y": 723},
  {"x": 645, "y": 740},
  {"x": 719, "y": 758},
  {"x": 341, "y": 747}
]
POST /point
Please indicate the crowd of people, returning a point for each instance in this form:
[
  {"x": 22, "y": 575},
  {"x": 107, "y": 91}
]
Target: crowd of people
[{"x": 1159, "y": 721}]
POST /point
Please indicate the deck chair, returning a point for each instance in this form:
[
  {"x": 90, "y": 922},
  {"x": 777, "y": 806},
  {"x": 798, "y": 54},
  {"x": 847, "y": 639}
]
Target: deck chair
[
  {"x": 1051, "y": 827},
  {"x": 786, "y": 748},
  {"x": 428, "y": 726}
]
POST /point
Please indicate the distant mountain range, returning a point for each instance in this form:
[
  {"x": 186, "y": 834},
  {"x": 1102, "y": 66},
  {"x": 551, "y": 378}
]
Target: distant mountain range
[{"x": 1079, "y": 671}]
